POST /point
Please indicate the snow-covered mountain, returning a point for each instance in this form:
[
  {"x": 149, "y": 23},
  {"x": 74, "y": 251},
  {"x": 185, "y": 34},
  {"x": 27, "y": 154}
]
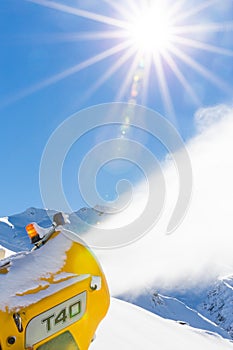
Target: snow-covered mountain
[
  {"x": 174, "y": 309},
  {"x": 210, "y": 308},
  {"x": 12, "y": 228},
  {"x": 13, "y": 235}
]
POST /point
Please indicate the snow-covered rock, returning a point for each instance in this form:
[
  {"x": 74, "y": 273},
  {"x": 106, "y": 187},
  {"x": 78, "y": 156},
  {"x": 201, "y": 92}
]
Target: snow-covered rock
[
  {"x": 5, "y": 220},
  {"x": 218, "y": 304}
]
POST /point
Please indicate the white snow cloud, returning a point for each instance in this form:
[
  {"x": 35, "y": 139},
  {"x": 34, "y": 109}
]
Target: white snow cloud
[{"x": 201, "y": 247}]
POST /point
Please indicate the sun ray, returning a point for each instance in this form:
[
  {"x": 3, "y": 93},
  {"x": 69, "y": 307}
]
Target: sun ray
[
  {"x": 171, "y": 62},
  {"x": 120, "y": 8},
  {"x": 128, "y": 79},
  {"x": 175, "y": 8},
  {"x": 211, "y": 27},
  {"x": 165, "y": 94},
  {"x": 70, "y": 71},
  {"x": 201, "y": 69},
  {"x": 194, "y": 10},
  {"x": 134, "y": 7},
  {"x": 73, "y": 37},
  {"x": 78, "y": 12},
  {"x": 108, "y": 73},
  {"x": 202, "y": 46},
  {"x": 116, "y": 34}
]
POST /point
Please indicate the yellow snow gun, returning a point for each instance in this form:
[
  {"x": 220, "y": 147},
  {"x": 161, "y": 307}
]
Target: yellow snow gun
[{"x": 53, "y": 297}]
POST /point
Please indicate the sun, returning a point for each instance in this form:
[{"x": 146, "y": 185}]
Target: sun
[
  {"x": 151, "y": 31},
  {"x": 153, "y": 37}
]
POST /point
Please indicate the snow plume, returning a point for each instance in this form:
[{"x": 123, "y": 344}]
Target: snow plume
[{"x": 201, "y": 248}]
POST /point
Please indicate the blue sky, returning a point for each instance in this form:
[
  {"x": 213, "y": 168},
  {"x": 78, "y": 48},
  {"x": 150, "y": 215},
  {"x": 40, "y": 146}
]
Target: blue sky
[{"x": 39, "y": 41}]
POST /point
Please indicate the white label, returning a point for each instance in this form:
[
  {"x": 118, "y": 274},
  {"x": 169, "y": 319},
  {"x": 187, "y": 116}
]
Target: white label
[{"x": 55, "y": 319}]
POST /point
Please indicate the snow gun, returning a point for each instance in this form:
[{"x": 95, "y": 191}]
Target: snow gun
[{"x": 54, "y": 296}]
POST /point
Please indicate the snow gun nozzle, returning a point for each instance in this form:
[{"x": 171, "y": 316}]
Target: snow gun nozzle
[{"x": 60, "y": 219}]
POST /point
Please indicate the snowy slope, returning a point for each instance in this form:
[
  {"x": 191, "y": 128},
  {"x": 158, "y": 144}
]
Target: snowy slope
[
  {"x": 129, "y": 327},
  {"x": 174, "y": 309},
  {"x": 214, "y": 302}
]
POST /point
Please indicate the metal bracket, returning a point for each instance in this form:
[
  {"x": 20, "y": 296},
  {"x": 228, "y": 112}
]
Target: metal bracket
[{"x": 95, "y": 283}]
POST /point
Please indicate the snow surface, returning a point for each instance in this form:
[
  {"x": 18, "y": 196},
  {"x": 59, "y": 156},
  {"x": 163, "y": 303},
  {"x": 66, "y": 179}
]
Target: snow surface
[
  {"x": 29, "y": 271},
  {"x": 129, "y": 327},
  {"x": 7, "y": 251},
  {"x": 6, "y": 221},
  {"x": 174, "y": 309}
]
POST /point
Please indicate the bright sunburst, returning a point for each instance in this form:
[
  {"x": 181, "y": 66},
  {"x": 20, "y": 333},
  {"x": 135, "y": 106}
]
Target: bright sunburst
[
  {"x": 151, "y": 31},
  {"x": 147, "y": 33}
]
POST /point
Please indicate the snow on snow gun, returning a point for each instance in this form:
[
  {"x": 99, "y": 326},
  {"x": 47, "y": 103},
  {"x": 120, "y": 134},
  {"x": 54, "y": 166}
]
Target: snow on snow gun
[{"x": 53, "y": 297}]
